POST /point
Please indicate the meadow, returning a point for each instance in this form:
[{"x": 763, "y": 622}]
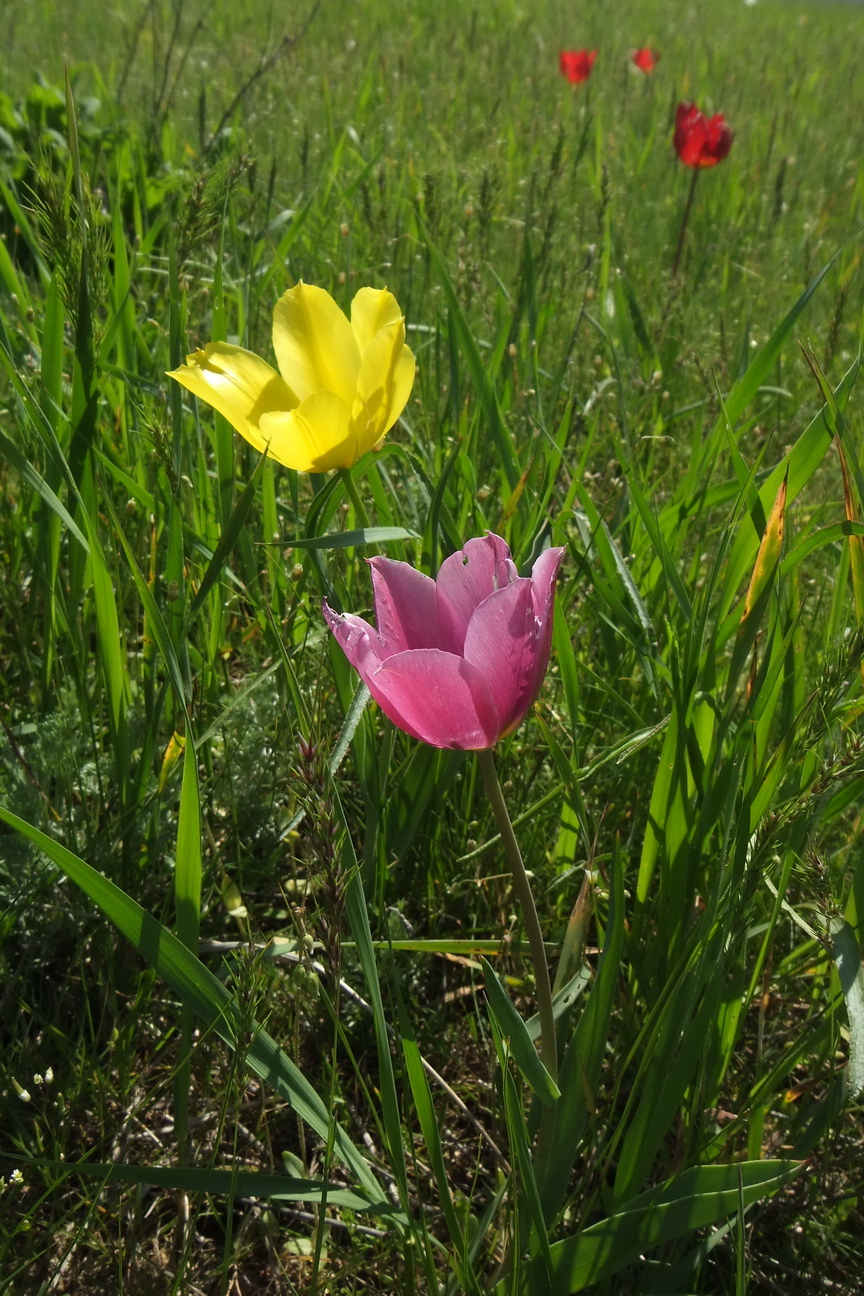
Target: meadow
[{"x": 271, "y": 1002}]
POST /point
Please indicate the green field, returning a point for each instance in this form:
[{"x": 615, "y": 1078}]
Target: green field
[{"x": 270, "y": 1020}]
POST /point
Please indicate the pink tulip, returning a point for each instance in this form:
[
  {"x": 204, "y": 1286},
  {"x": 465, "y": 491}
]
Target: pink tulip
[{"x": 455, "y": 661}]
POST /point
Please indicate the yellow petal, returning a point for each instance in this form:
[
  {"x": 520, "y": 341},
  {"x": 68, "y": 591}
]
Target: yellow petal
[
  {"x": 314, "y": 344},
  {"x": 371, "y": 310},
  {"x": 384, "y": 385},
  {"x": 314, "y": 437},
  {"x": 237, "y": 383}
]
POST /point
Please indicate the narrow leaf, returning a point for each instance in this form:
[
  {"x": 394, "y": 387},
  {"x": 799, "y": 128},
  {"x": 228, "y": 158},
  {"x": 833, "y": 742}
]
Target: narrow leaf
[
  {"x": 770, "y": 549},
  {"x": 29, "y": 474},
  {"x": 698, "y": 1198},
  {"x": 237, "y": 1183},
  {"x": 847, "y": 959},
  {"x": 353, "y": 539},
  {"x": 515, "y": 1031},
  {"x": 198, "y": 988}
]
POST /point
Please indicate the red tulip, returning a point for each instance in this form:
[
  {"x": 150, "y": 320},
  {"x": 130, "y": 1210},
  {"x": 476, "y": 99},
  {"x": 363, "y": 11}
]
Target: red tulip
[
  {"x": 646, "y": 59},
  {"x": 576, "y": 65},
  {"x": 700, "y": 141},
  {"x": 455, "y": 661}
]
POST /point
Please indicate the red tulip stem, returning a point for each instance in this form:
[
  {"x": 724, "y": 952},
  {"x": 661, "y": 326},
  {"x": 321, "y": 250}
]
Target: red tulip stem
[
  {"x": 548, "y": 1046},
  {"x": 684, "y": 220}
]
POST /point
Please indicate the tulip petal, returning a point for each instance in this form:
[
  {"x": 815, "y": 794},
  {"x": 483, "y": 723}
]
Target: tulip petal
[
  {"x": 685, "y": 114},
  {"x": 544, "y": 575},
  {"x": 372, "y": 310},
  {"x": 357, "y": 639},
  {"x": 314, "y": 437},
  {"x": 447, "y": 698},
  {"x": 383, "y": 385},
  {"x": 406, "y": 606},
  {"x": 719, "y": 137},
  {"x": 501, "y": 641},
  {"x": 237, "y": 383},
  {"x": 700, "y": 142},
  {"x": 437, "y": 697},
  {"x": 314, "y": 344},
  {"x": 466, "y": 578},
  {"x": 576, "y": 65}
]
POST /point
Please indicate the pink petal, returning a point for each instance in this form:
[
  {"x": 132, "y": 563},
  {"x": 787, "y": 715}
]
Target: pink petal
[
  {"x": 544, "y": 574},
  {"x": 406, "y": 606},
  {"x": 437, "y": 697},
  {"x": 466, "y": 578},
  {"x": 366, "y": 654},
  {"x": 501, "y": 642},
  {"x": 356, "y": 638}
]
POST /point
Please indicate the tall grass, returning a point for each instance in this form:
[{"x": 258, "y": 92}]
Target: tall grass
[{"x": 307, "y": 1078}]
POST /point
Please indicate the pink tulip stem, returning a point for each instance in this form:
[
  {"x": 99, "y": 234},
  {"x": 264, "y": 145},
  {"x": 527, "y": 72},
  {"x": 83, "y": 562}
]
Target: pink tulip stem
[
  {"x": 684, "y": 221},
  {"x": 548, "y": 1046}
]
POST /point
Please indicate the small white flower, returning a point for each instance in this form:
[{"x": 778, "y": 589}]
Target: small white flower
[
  {"x": 15, "y": 1177},
  {"x": 49, "y": 1075}
]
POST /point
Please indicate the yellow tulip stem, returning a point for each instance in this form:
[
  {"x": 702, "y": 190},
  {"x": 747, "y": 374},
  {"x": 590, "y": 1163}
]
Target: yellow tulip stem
[
  {"x": 543, "y": 987},
  {"x": 351, "y": 488}
]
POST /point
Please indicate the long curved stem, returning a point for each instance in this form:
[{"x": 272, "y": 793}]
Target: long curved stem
[
  {"x": 548, "y": 1046},
  {"x": 684, "y": 221}
]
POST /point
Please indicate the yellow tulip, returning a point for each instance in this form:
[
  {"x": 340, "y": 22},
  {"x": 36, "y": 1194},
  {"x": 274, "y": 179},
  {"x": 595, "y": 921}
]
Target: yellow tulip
[{"x": 340, "y": 387}]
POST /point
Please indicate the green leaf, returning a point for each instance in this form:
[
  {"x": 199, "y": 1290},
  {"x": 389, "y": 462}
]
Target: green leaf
[
  {"x": 199, "y": 989},
  {"x": 187, "y": 896},
  {"x": 482, "y": 381},
  {"x": 847, "y": 959},
  {"x": 187, "y": 870},
  {"x": 227, "y": 541},
  {"x": 513, "y": 1029},
  {"x": 799, "y": 465},
  {"x": 672, "y": 1046},
  {"x": 358, "y": 917},
  {"x": 761, "y": 584},
  {"x": 29, "y": 474},
  {"x": 353, "y": 539},
  {"x": 111, "y": 651},
  {"x": 766, "y": 357},
  {"x": 425, "y": 1112},
  {"x": 157, "y": 621},
  {"x": 583, "y": 1061},
  {"x": 695, "y": 1199},
  {"x": 527, "y": 1208},
  {"x": 770, "y": 548},
  {"x": 242, "y": 1183}
]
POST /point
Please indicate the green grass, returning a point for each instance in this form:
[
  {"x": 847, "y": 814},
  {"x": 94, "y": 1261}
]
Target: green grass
[{"x": 189, "y": 780}]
